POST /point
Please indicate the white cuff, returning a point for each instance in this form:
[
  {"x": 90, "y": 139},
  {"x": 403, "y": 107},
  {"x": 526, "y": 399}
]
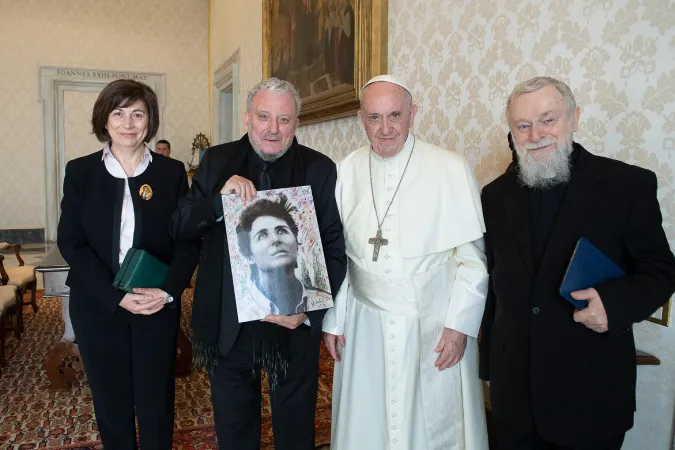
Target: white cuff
[{"x": 334, "y": 320}]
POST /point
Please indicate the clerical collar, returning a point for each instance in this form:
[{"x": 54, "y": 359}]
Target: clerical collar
[{"x": 403, "y": 154}]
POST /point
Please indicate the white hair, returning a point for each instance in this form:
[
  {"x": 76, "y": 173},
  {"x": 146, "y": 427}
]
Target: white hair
[
  {"x": 278, "y": 86},
  {"x": 537, "y": 83}
]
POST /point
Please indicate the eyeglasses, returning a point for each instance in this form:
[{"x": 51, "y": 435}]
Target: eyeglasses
[{"x": 376, "y": 119}]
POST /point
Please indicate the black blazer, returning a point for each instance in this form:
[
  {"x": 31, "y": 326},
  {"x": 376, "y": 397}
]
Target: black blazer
[
  {"x": 89, "y": 227},
  {"x": 544, "y": 369},
  {"x": 196, "y": 218}
]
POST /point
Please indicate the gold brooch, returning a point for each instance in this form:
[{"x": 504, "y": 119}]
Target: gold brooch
[{"x": 145, "y": 192}]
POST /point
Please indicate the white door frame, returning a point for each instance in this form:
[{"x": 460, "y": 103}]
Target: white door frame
[
  {"x": 54, "y": 81},
  {"x": 225, "y": 76}
]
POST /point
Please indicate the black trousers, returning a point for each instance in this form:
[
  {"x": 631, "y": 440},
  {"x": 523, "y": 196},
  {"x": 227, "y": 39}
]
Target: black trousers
[
  {"x": 510, "y": 439},
  {"x": 130, "y": 361},
  {"x": 235, "y": 392}
]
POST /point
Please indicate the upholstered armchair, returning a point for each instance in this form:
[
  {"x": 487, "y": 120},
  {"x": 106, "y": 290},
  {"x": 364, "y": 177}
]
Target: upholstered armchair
[
  {"x": 23, "y": 276},
  {"x": 10, "y": 311}
]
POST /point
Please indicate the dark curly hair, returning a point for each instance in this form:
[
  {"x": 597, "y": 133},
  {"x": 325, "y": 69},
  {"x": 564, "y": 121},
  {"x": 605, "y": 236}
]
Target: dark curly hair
[{"x": 280, "y": 209}]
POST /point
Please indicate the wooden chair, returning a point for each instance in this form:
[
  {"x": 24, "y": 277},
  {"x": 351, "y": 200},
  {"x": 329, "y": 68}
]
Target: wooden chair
[
  {"x": 9, "y": 307},
  {"x": 23, "y": 277}
]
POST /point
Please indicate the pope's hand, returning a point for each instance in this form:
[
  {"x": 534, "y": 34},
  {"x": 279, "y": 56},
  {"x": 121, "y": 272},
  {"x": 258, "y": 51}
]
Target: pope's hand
[
  {"x": 239, "y": 186},
  {"x": 451, "y": 347},
  {"x": 291, "y": 322},
  {"x": 331, "y": 342}
]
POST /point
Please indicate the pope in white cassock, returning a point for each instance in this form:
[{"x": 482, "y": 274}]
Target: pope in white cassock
[{"x": 404, "y": 326}]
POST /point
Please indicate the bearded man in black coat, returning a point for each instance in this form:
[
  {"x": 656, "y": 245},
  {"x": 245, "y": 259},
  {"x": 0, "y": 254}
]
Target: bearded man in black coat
[{"x": 562, "y": 378}]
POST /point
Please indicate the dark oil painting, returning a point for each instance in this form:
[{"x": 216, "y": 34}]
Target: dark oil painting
[{"x": 312, "y": 43}]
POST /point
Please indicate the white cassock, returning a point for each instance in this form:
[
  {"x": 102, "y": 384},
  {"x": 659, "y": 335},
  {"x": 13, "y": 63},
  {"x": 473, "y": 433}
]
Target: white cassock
[{"x": 387, "y": 394}]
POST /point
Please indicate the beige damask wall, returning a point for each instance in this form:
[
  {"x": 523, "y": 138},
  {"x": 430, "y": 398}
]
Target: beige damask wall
[
  {"x": 237, "y": 25},
  {"x": 461, "y": 59},
  {"x": 77, "y": 130},
  {"x": 165, "y": 36}
]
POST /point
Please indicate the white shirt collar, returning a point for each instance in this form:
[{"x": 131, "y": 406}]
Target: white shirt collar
[{"x": 115, "y": 168}]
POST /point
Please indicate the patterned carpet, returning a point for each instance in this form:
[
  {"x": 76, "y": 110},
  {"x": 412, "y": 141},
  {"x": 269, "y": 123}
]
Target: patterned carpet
[{"x": 33, "y": 416}]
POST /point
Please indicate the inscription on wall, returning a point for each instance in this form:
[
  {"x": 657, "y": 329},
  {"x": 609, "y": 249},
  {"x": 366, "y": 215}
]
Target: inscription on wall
[{"x": 99, "y": 74}]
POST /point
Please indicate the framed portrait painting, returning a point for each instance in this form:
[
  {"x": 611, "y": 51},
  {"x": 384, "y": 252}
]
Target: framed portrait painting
[
  {"x": 276, "y": 256},
  {"x": 328, "y": 49}
]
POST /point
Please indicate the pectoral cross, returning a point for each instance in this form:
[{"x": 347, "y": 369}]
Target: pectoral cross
[{"x": 377, "y": 242}]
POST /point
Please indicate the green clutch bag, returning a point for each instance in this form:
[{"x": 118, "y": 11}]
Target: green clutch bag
[{"x": 140, "y": 270}]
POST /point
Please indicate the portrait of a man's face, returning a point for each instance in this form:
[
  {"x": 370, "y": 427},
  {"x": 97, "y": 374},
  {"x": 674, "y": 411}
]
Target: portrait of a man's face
[{"x": 270, "y": 264}]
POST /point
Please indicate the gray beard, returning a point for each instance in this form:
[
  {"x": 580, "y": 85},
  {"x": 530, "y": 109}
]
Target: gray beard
[
  {"x": 545, "y": 173},
  {"x": 269, "y": 157}
]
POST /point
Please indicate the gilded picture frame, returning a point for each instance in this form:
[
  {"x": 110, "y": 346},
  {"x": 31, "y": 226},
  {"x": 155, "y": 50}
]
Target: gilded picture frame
[
  {"x": 327, "y": 48},
  {"x": 662, "y": 315}
]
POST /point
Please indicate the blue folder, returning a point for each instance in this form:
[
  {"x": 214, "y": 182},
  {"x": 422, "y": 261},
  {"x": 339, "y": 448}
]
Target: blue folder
[{"x": 588, "y": 267}]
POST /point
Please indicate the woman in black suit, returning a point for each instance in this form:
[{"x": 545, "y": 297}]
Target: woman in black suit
[{"x": 117, "y": 198}]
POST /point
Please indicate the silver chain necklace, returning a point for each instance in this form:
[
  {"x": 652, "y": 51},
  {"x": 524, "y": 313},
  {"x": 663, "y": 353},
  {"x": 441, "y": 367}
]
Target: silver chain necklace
[{"x": 378, "y": 241}]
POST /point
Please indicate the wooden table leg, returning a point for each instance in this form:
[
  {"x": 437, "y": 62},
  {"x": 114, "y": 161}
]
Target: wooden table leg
[
  {"x": 184, "y": 357},
  {"x": 60, "y": 376}
]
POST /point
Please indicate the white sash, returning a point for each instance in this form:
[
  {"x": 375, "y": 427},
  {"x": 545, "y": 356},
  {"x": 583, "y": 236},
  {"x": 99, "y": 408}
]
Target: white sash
[{"x": 395, "y": 296}]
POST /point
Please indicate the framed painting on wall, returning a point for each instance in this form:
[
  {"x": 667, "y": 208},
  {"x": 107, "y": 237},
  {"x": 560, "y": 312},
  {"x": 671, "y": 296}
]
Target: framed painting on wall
[{"x": 328, "y": 49}]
